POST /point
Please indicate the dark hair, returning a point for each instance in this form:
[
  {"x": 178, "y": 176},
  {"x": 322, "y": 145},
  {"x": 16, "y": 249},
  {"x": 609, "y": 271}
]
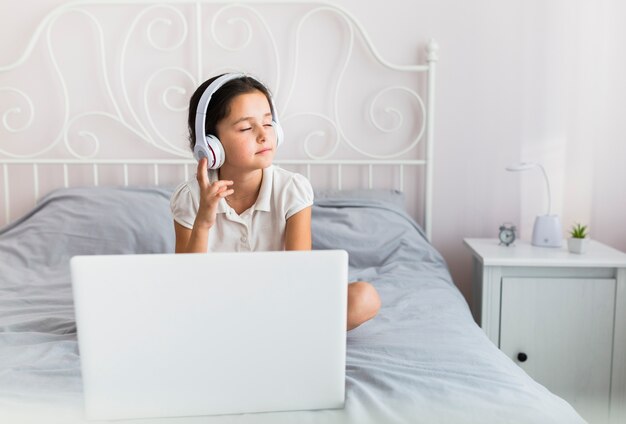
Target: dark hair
[{"x": 219, "y": 106}]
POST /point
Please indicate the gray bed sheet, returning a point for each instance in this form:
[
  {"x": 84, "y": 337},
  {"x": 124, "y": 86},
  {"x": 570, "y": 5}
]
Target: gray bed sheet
[{"x": 421, "y": 360}]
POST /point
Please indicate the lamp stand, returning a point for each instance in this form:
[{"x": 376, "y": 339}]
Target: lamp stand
[{"x": 547, "y": 231}]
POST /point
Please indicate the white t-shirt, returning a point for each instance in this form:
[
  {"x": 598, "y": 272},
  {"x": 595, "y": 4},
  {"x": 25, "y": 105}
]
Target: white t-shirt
[{"x": 259, "y": 228}]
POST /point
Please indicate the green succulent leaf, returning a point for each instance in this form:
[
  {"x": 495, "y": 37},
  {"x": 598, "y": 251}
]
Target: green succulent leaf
[{"x": 578, "y": 231}]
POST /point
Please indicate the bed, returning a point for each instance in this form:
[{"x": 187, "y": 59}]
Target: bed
[{"x": 421, "y": 360}]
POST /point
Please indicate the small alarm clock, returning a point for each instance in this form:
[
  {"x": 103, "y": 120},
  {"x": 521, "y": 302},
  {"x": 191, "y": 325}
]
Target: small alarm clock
[{"x": 507, "y": 234}]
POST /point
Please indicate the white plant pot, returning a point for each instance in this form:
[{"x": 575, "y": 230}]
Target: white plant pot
[{"x": 577, "y": 245}]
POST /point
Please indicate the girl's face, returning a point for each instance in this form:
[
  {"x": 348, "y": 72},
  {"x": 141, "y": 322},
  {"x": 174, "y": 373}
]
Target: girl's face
[{"x": 247, "y": 133}]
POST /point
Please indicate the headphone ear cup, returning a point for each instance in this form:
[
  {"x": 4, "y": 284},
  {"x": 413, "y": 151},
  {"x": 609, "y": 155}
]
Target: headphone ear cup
[
  {"x": 210, "y": 148},
  {"x": 201, "y": 150},
  {"x": 217, "y": 152},
  {"x": 280, "y": 135}
]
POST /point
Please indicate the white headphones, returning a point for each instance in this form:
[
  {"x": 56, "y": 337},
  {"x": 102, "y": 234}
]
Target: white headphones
[{"x": 208, "y": 145}]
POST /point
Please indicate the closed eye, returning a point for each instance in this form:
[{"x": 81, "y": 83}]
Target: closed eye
[{"x": 245, "y": 129}]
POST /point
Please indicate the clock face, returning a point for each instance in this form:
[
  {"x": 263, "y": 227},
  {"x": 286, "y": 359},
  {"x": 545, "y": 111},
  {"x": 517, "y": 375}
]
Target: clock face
[{"x": 507, "y": 236}]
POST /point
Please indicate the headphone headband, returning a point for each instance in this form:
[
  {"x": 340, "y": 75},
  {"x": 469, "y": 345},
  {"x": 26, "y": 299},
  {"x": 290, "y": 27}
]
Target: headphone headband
[{"x": 203, "y": 103}]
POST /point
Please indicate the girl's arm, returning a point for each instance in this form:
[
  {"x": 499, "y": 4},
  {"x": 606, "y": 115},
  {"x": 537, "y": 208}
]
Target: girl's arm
[
  {"x": 191, "y": 241},
  {"x": 196, "y": 240},
  {"x": 298, "y": 231}
]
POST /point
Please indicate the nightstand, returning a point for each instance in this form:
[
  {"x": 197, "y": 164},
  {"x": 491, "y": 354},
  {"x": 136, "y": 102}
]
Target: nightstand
[{"x": 560, "y": 316}]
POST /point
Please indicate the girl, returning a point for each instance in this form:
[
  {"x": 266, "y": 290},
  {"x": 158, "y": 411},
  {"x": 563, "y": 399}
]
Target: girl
[{"x": 243, "y": 202}]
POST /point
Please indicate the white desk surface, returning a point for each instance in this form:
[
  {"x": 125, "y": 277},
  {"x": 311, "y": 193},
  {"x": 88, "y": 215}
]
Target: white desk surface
[{"x": 521, "y": 253}]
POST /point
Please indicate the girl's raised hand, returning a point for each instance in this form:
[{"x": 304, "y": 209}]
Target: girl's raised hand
[{"x": 210, "y": 195}]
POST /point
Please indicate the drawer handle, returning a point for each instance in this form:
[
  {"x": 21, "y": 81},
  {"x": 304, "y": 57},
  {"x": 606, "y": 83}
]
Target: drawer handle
[{"x": 522, "y": 357}]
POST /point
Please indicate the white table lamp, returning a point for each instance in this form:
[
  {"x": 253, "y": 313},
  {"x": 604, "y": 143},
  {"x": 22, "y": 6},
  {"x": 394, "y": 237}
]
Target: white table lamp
[{"x": 547, "y": 229}]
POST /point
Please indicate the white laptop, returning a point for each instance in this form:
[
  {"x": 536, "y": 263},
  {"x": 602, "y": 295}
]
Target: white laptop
[{"x": 202, "y": 334}]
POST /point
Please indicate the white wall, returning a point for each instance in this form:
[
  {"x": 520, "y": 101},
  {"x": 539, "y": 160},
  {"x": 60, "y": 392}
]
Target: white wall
[
  {"x": 608, "y": 198},
  {"x": 533, "y": 80},
  {"x": 517, "y": 80}
]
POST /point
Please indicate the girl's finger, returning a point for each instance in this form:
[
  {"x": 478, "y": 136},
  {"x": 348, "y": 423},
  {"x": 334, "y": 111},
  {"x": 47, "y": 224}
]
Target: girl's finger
[
  {"x": 202, "y": 174},
  {"x": 226, "y": 193},
  {"x": 220, "y": 185}
]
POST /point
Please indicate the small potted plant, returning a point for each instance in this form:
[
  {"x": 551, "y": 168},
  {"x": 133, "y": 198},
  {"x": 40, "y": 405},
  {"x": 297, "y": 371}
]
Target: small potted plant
[{"x": 578, "y": 241}]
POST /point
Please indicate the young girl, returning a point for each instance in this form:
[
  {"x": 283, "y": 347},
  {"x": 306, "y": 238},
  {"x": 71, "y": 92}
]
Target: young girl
[{"x": 243, "y": 203}]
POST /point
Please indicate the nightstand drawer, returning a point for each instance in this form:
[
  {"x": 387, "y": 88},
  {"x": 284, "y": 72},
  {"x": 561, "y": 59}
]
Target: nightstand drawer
[{"x": 560, "y": 331}]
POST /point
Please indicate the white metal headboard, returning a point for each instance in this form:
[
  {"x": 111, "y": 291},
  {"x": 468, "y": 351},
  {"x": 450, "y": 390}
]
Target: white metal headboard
[{"x": 199, "y": 39}]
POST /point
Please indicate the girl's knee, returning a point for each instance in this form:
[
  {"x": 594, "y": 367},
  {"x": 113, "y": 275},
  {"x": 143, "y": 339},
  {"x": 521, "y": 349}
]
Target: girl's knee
[
  {"x": 363, "y": 302},
  {"x": 368, "y": 298}
]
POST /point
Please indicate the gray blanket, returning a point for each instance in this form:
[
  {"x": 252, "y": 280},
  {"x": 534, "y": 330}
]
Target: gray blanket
[{"x": 421, "y": 360}]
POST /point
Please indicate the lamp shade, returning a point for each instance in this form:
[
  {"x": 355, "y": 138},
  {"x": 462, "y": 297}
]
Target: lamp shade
[{"x": 522, "y": 166}]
